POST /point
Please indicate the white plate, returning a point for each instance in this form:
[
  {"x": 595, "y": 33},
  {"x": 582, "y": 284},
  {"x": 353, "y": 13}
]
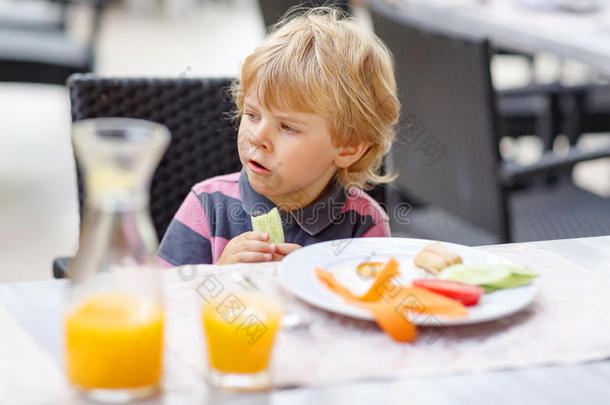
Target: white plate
[{"x": 296, "y": 273}]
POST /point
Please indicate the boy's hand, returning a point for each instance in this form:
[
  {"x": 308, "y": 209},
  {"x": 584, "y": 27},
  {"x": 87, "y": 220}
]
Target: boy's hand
[
  {"x": 282, "y": 249},
  {"x": 252, "y": 247},
  {"x": 249, "y": 247}
]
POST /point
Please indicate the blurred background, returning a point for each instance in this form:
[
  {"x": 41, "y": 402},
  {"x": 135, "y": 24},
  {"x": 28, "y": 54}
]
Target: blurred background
[{"x": 42, "y": 42}]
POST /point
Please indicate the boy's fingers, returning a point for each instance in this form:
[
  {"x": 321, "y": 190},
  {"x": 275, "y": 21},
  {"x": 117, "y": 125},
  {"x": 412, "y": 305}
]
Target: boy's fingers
[
  {"x": 256, "y": 236},
  {"x": 253, "y": 257},
  {"x": 257, "y": 246},
  {"x": 285, "y": 248},
  {"x": 277, "y": 257}
]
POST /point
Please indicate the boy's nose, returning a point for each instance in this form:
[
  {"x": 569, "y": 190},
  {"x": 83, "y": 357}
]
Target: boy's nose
[{"x": 260, "y": 138}]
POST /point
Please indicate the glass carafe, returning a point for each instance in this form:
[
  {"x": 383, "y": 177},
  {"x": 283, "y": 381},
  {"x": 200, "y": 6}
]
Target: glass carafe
[{"x": 113, "y": 325}]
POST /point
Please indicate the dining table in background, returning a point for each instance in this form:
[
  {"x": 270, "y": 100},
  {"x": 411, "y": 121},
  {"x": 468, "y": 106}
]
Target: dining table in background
[
  {"x": 528, "y": 26},
  {"x": 31, "y": 311}
]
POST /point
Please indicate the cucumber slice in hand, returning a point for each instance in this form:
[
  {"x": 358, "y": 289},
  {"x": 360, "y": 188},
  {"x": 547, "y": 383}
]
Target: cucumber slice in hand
[{"x": 270, "y": 223}]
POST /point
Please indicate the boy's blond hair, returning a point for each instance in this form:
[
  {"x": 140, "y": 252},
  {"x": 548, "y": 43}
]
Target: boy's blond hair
[{"x": 319, "y": 62}]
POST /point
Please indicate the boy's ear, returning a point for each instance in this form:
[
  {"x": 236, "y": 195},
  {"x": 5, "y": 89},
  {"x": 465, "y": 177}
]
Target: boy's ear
[{"x": 350, "y": 154}]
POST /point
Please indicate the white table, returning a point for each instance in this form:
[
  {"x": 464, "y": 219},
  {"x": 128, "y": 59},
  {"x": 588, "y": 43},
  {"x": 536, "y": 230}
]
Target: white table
[
  {"x": 584, "y": 37},
  {"x": 36, "y": 307}
]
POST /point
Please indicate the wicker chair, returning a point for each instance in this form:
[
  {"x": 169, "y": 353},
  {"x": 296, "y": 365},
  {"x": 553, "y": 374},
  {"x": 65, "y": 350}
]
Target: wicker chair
[
  {"x": 551, "y": 110},
  {"x": 589, "y": 109},
  {"x": 447, "y": 153},
  {"x": 204, "y": 137}
]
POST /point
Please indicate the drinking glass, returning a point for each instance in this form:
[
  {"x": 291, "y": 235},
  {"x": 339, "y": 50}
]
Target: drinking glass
[{"x": 241, "y": 318}]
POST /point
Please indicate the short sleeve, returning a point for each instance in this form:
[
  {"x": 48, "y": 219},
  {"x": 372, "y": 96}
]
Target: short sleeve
[
  {"x": 187, "y": 238},
  {"x": 380, "y": 229}
]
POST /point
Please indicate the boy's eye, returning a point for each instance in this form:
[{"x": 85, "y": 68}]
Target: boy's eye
[
  {"x": 251, "y": 116},
  {"x": 288, "y": 129}
]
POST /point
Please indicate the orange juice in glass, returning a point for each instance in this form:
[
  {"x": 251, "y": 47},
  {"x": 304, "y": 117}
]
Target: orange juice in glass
[
  {"x": 114, "y": 345},
  {"x": 240, "y": 327}
]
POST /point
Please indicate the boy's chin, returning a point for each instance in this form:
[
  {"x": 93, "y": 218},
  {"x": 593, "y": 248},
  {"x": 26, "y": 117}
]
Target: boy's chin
[{"x": 267, "y": 186}]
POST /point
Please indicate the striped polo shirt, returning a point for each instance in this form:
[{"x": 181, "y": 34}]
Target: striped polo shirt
[{"x": 219, "y": 209}]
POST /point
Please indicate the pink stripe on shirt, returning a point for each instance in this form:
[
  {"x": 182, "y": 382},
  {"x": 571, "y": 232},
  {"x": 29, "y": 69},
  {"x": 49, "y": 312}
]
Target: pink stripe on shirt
[
  {"x": 163, "y": 263},
  {"x": 191, "y": 214},
  {"x": 225, "y": 184},
  {"x": 218, "y": 246},
  {"x": 364, "y": 204}
]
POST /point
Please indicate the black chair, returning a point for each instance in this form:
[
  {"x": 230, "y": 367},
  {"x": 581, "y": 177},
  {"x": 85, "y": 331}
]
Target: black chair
[
  {"x": 447, "y": 153},
  {"x": 204, "y": 137},
  {"x": 551, "y": 110},
  {"x": 569, "y": 110},
  {"x": 196, "y": 111},
  {"x": 531, "y": 110},
  {"x": 37, "y": 47},
  {"x": 589, "y": 109}
]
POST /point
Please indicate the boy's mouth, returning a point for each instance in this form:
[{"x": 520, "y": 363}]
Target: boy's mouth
[{"x": 257, "y": 167}]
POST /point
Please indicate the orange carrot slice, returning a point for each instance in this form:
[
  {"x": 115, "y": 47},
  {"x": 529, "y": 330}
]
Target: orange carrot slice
[
  {"x": 389, "y": 303},
  {"x": 389, "y": 271},
  {"x": 428, "y": 302},
  {"x": 392, "y": 321}
]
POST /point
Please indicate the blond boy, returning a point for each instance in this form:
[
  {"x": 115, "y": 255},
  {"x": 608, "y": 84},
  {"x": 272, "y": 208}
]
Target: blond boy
[{"x": 317, "y": 104}]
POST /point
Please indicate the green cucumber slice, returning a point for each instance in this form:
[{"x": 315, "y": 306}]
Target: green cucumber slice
[
  {"x": 270, "y": 223},
  {"x": 521, "y": 270},
  {"x": 491, "y": 277},
  {"x": 519, "y": 275},
  {"x": 474, "y": 274}
]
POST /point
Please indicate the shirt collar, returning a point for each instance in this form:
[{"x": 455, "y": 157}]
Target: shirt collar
[{"x": 312, "y": 219}]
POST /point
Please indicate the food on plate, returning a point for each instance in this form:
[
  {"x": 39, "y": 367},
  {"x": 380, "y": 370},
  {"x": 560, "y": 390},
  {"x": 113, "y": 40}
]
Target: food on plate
[
  {"x": 369, "y": 269},
  {"x": 475, "y": 274},
  {"x": 270, "y": 223},
  {"x": 397, "y": 296},
  {"x": 467, "y": 294},
  {"x": 374, "y": 292},
  {"x": 428, "y": 302},
  {"x": 391, "y": 321},
  {"x": 490, "y": 277},
  {"x": 435, "y": 257},
  {"x": 519, "y": 276}
]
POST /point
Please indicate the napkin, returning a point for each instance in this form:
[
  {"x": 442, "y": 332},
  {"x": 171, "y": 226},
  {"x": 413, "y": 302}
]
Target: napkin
[{"x": 390, "y": 303}]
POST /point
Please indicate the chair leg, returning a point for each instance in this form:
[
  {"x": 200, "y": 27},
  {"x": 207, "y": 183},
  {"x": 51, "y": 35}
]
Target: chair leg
[
  {"x": 548, "y": 125},
  {"x": 60, "y": 267},
  {"x": 548, "y": 128},
  {"x": 574, "y": 114}
]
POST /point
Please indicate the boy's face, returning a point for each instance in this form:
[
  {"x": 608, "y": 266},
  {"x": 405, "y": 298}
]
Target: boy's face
[{"x": 288, "y": 155}]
